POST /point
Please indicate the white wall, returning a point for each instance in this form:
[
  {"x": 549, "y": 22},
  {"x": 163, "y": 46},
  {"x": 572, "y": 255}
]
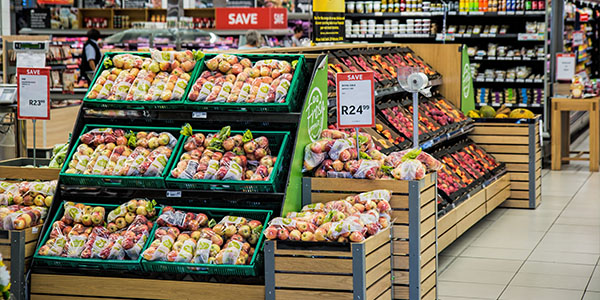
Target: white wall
[{"x": 5, "y": 17}]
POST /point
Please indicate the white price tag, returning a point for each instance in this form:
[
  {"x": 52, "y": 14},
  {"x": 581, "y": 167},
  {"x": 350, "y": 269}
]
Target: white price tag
[
  {"x": 355, "y": 99},
  {"x": 33, "y": 86},
  {"x": 198, "y": 115},
  {"x": 173, "y": 194}
]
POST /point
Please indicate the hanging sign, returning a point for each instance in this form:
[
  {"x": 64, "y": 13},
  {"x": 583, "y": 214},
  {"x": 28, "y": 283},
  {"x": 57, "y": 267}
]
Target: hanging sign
[
  {"x": 250, "y": 18},
  {"x": 56, "y": 2},
  {"x": 584, "y": 17},
  {"x": 33, "y": 93},
  {"x": 565, "y": 66},
  {"x": 355, "y": 99},
  {"x": 328, "y": 21}
]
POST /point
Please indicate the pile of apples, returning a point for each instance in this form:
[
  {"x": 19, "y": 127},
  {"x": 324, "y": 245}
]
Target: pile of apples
[
  {"x": 353, "y": 219},
  {"x": 335, "y": 156},
  {"x": 231, "y": 79},
  {"x": 164, "y": 76},
  {"x": 125, "y": 214},
  {"x": 193, "y": 238},
  {"x": 221, "y": 156},
  {"x": 24, "y": 204},
  {"x": 82, "y": 233},
  {"x": 27, "y": 193},
  {"x": 115, "y": 152}
]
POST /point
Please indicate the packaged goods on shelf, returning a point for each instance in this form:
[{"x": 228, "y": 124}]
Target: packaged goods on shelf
[{"x": 24, "y": 204}]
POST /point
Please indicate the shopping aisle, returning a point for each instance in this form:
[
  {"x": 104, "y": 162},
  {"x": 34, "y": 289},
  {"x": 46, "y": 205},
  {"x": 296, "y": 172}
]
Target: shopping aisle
[{"x": 552, "y": 252}]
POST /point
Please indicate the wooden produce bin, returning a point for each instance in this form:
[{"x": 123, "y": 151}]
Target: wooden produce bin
[
  {"x": 15, "y": 169},
  {"x": 414, "y": 264},
  {"x": 297, "y": 270},
  {"x": 17, "y": 248},
  {"x": 517, "y": 145},
  {"x": 467, "y": 213},
  {"x": 74, "y": 287}
]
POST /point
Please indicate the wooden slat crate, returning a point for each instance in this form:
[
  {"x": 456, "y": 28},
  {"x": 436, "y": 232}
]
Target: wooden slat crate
[
  {"x": 414, "y": 219},
  {"x": 75, "y": 287},
  {"x": 14, "y": 169},
  {"x": 17, "y": 248},
  {"x": 458, "y": 220},
  {"x": 517, "y": 145},
  {"x": 296, "y": 270}
]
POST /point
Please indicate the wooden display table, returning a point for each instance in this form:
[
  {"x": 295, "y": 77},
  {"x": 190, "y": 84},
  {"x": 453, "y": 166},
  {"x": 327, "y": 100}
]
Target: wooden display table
[
  {"x": 560, "y": 143},
  {"x": 17, "y": 248}
]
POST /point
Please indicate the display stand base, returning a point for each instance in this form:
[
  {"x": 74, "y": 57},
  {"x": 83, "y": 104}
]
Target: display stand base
[
  {"x": 517, "y": 145},
  {"x": 17, "y": 248},
  {"x": 15, "y": 169},
  {"x": 414, "y": 211},
  {"x": 454, "y": 223},
  {"x": 71, "y": 287}
]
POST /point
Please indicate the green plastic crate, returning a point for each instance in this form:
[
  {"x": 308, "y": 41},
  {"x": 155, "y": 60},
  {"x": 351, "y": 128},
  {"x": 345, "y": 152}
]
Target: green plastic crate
[
  {"x": 300, "y": 78},
  {"x": 89, "y": 263},
  {"x": 120, "y": 181},
  {"x": 123, "y": 104},
  {"x": 277, "y": 140},
  {"x": 231, "y": 270}
]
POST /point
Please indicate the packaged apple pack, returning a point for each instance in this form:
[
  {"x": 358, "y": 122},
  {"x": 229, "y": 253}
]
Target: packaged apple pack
[
  {"x": 222, "y": 156},
  {"x": 164, "y": 76},
  {"x": 189, "y": 237},
  {"x": 352, "y": 219},
  {"x": 231, "y": 79},
  {"x": 27, "y": 193},
  {"x": 106, "y": 151},
  {"x": 82, "y": 233}
]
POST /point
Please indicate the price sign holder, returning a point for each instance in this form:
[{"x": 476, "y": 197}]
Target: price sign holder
[
  {"x": 355, "y": 101},
  {"x": 33, "y": 97}
]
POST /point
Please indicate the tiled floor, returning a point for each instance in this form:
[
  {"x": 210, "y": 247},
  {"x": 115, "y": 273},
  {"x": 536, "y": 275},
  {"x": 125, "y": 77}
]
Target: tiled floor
[{"x": 549, "y": 253}]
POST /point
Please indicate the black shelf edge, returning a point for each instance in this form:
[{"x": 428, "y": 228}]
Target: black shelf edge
[
  {"x": 520, "y": 13},
  {"x": 523, "y": 81},
  {"x": 505, "y": 58},
  {"x": 510, "y": 105}
]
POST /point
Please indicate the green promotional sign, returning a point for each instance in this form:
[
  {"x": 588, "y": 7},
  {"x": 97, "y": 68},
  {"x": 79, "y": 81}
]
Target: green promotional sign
[
  {"x": 467, "y": 92},
  {"x": 313, "y": 121}
]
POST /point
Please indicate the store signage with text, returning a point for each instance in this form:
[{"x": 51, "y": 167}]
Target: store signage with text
[
  {"x": 328, "y": 21},
  {"x": 250, "y": 18},
  {"x": 355, "y": 99},
  {"x": 565, "y": 66},
  {"x": 33, "y": 93}
]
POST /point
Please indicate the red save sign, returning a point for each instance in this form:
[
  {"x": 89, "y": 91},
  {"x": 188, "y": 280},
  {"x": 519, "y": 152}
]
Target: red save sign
[
  {"x": 250, "y": 18},
  {"x": 33, "y": 93},
  {"x": 355, "y": 99},
  {"x": 584, "y": 17}
]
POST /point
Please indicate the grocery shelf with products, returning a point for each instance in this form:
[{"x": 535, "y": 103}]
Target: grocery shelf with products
[{"x": 580, "y": 36}]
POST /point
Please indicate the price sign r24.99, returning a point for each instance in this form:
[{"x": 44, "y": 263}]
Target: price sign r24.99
[{"x": 355, "y": 100}]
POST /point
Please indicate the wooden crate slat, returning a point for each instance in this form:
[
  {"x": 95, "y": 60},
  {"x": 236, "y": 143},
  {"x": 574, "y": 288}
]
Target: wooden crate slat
[
  {"x": 63, "y": 297},
  {"x": 399, "y": 216},
  {"x": 513, "y": 203},
  {"x": 519, "y": 194},
  {"x": 494, "y": 149},
  {"x": 427, "y": 254},
  {"x": 504, "y": 140},
  {"x": 385, "y": 267},
  {"x": 399, "y": 201},
  {"x": 520, "y": 185},
  {"x": 31, "y": 234},
  {"x": 401, "y": 262},
  {"x": 497, "y": 186},
  {"x": 428, "y": 268},
  {"x": 400, "y": 232},
  {"x": 427, "y": 225},
  {"x": 446, "y": 239},
  {"x": 387, "y": 295},
  {"x": 500, "y": 130},
  {"x": 377, "y": 256},
  {"x": 469, "y": 220},
  {"x": 446, "y": 221},
  {"x": 512, "y": 158},
  {"x": 430, "y": 295},
  {"x": 427, "y": 284},
  {"x": 308, "y": 264},
  {"x": 501, "y": 125},
  {"x": 519, "y": 176},
  {"x": 470, "y": 204},
  {"x": 24, "y": 173},
  {"x": 326, "y": 197},
  {"x": 310, "y": 252},
  {"x": 357, "y": 185},
  {"x": 314, "y": 281},
  {"x": 497, "y": 199},
  {"x": 379, "y": 287},
  {"x": 376, "y": 241},
  {"x": 428, "y": 240},
  {"x": 518, "y": 167},
  {"x": 428, "y": 210},
  {"x": 401, "y": 292},
  {"x": 93, "y": 286},
  {"x": 428, "y": 195},
  {"x": 400, "y": 247},
  {"x": 304, "y": 294}
]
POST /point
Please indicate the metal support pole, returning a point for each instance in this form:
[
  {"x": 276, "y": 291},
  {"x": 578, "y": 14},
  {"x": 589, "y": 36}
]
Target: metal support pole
[
  {"x": 531, "y": 167},
  {"x": 414, "y": 240},
  {"x": 269, "y": 270},
  {"x": 359, "y": 271},
  {"x": 17, "y": 264},
  {"x": 416, "y": 120},
  {"x": 34, "y": 145}
]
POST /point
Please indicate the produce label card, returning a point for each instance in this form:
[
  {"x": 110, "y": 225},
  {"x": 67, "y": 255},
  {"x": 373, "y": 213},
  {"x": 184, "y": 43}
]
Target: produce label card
[
  {"x": 33, "y": 92},
  {"x": 355, "y": 100}
]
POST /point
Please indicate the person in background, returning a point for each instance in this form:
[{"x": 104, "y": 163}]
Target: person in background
[
  {"x": 91, "y": 55},
  {"x": 253, "y": 39},
  {"x": 298, "y": 32}
]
